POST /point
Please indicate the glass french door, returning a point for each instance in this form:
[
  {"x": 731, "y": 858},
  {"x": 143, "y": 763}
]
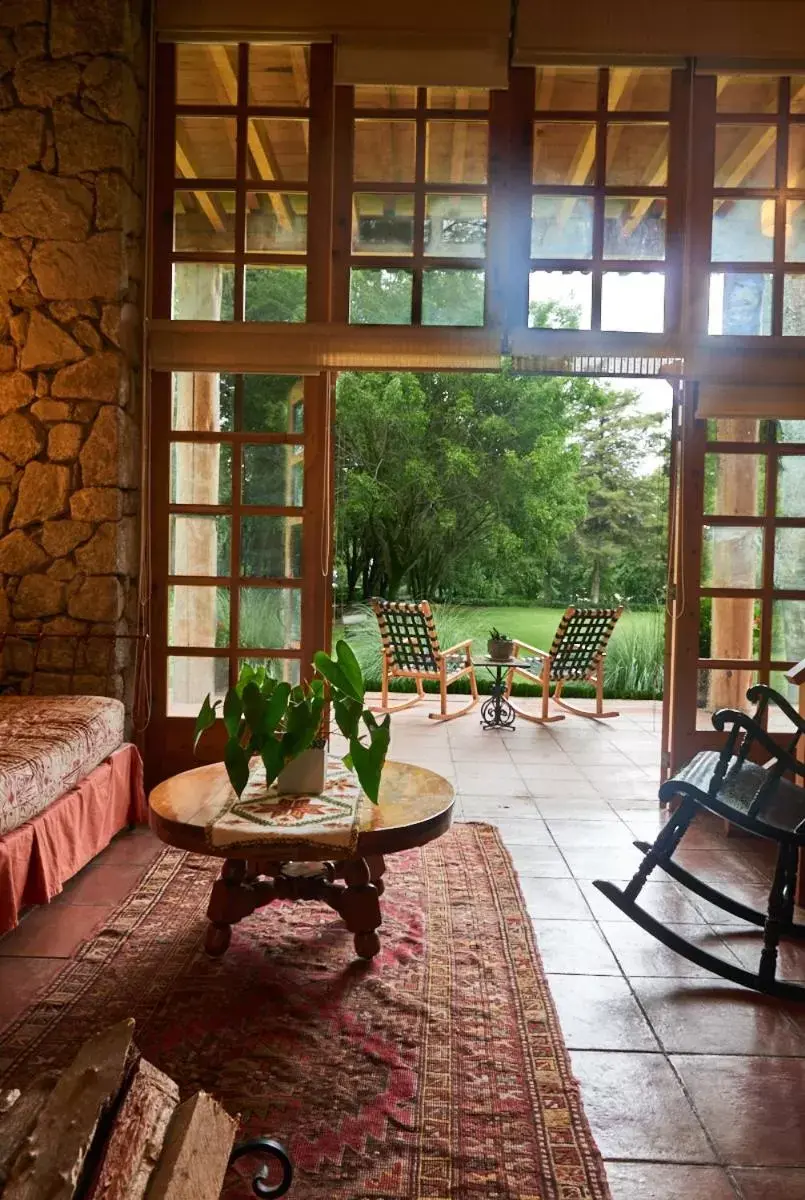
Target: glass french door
[
  {"x": 737, "y": 605},
  {"x": 240, "y": 541}
]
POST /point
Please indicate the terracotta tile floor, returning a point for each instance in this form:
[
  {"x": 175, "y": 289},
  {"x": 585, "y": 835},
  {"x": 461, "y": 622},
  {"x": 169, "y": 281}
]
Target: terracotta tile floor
[{"x": 694, "y": 1087}]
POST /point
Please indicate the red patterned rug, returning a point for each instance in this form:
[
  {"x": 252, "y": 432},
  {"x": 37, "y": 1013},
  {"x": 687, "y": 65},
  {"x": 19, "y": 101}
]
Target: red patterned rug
[{"x": 437, "y": 1070}]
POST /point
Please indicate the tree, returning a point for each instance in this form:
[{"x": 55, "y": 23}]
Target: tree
[{"x": 621, "y": 540}]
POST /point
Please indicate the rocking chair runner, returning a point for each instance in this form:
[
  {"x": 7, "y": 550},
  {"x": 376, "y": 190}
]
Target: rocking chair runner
[
  {"x": 411, "y": 651},
  {"x": 577, "y": 653},
  {"x": 758, "y": 799}
]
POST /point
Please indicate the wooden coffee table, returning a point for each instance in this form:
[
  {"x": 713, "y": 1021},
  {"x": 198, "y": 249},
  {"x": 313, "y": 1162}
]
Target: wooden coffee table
[{"x": 415, "y": 807}]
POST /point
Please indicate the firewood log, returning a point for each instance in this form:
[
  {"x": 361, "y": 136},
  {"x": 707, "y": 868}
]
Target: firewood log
[
  {"x": 196, "y": 1152},
  {"x": 18, "y": 1113}
]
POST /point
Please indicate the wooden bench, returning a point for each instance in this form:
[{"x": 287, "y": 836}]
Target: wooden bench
[{"x": 111, "y": 1127}]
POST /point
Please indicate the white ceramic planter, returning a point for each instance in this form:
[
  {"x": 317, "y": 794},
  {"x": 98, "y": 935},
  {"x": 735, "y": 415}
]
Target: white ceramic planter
[{"x": 304, "y": 775}]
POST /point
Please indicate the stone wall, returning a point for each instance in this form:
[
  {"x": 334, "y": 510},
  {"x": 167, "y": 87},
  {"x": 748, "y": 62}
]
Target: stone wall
[{"x": 72, "y": 148}]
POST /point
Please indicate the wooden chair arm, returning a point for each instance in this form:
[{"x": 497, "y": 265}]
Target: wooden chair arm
[
  {"x": 754, "y": 733},
  {"x": 762, "y": 695},
  {"x": 458, "y": 646},
  {"x": 531, "y": 649}
]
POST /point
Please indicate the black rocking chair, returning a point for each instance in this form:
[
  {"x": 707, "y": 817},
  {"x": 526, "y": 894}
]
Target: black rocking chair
[{"x": 759, "y": 799}]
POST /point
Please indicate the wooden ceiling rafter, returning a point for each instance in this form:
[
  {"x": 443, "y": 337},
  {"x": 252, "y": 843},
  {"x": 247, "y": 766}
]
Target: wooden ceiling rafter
[
  {"x": 584, "y": 158},
  {"x": 203, "y": 199}
]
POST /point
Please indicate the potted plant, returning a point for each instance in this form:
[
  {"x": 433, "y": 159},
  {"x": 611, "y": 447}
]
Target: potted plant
[
  {"x": 282, "y": 725},
  {"x": 500, "y": 646}
]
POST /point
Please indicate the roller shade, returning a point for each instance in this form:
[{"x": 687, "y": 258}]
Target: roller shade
[
  {"x": 280, "y": 349},
  {"x": 734, "y": 400},
  {"x": 423, "y": 42},
  {"x": 630, "y": 31}
]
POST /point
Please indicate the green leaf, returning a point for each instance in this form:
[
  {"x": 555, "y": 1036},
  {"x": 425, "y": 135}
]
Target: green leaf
[
  {"x": 275, "y": 709},
  {"x": 253, "y": 707},
  {"x": 350, "y": 666},
  {"x": 347, "y": 715},
  {"x": 273, "y": 759},
  {"x": 233, "y": 708},
  {"x": 337, "y": 678},
  {"x": 236, "y": 761},
  {"x": 369, "y": 760},
  {"x": 204, "y": 720},
  {"x": 347, "y": 761}
]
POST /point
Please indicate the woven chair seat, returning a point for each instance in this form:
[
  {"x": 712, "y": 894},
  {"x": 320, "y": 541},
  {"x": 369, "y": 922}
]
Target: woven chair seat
[{"x": 783, "y": 808}]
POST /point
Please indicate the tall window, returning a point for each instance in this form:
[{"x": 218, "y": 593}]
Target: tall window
[
  {"x": 599, "y": 204},
  {"x": 757, "y": 281},
  {"x": 418, "y": 206},
  {"x": 240, "y": 207}
]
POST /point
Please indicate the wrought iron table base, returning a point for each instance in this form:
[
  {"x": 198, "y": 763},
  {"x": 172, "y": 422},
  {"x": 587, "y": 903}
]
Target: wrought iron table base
[{"x": 496, "y": 712}]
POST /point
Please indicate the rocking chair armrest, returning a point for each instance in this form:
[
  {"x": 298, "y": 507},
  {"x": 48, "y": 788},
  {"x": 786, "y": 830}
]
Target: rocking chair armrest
[
  {"x": 465, "y": 645},
  {"x": 755, "y": 733},
  {"x": 531, "y": 649}
]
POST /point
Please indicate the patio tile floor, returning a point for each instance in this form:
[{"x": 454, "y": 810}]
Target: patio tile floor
[{"x": 693, "y": 1087}]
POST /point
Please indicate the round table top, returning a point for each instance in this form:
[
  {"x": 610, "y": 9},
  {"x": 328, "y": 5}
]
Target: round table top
[{"x": 415, "y": 806}]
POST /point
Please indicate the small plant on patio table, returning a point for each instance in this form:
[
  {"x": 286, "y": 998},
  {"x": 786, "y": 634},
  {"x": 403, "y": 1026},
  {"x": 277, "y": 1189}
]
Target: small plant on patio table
[
  {"x": 500, "y": 646},
  {"x": 268, "y": 717}
]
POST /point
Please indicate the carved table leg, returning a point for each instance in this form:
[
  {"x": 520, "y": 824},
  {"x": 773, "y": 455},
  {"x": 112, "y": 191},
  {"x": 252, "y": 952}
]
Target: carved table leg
[
  {"x": 359, "y": 906},
  {"x": 377, "y": 868},
  {"x": 226, "y": 907}
]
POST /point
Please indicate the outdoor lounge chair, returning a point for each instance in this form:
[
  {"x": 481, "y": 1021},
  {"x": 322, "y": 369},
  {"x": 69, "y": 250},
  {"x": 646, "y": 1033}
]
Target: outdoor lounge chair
[
  {"x": 576, "y": 655},
  {"x": 411, "y": 651},
  {"x": 758, "y": 799}
]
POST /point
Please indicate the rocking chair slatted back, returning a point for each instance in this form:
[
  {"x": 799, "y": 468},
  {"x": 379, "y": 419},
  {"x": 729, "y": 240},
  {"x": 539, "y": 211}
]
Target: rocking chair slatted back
[
  {"x": 580, "y": 641},
  {"x": 408, "y": 634}
]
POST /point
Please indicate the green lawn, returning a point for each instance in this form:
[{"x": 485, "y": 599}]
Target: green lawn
[{"x": 634, "y": 661}]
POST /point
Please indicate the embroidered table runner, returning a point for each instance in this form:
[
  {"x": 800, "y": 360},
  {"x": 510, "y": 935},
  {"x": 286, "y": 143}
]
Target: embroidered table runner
[{"x": 311, "y": 828}]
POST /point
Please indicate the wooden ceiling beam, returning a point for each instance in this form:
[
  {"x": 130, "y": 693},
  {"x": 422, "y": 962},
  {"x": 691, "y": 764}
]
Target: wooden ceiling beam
[{"x": 204, "y": 200}]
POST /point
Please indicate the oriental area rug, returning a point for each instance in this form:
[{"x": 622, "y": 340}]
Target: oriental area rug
[{"x": 435, "y": 1071}]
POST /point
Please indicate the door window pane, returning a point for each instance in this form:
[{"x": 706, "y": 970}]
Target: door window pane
[
  {"x": 456, "y": 151},
  {"x": 747, "y": 93},
  {"x": 745, "y": 156},
  {"x": 287, "y": 669},
  {"x": 634, "y": 227},
  {"x": 273, "y": 475},
  {"x": 729, "y": 627},
  {"x": 791, "y": 489},
  {"x": 198, "y": 616},
  {"x": 200, "y": 545},
  {"x": 271, "y": 547},
  {"x": 380, "y": 297},
  {"x": 382, "y": 223},
  {"x": 564, "y": 152},
  {"x": 723, "y": 688},
  {"x": 276, "y": 293},
  {"x": 734, "y": 429},
  {"x": 384, "y": 151},
  {"x": 202, "y": 401},
  {"x": 795, "y": 231},
  {"x": 734, "y": 485},
  {"x": 560, "y": 299},
  {"x": 789, "y": 431},
  {"x": 453, "y": 297},
  {"x": 562, "y": 226},
  {"x": 796, "y": 156},
  {"x": 205, "y": 147},
  {"x": 276, "y": 221},
  {"x": 639, "y": 89},
  {"x": 789, "y": 559},
  {"x": 794, "y": 305},
  {"x": 572, "y": 89},
  {"x": 633, "y": 301},
  {"x": 731, "y": 556},
  {"x": 201, "y": 473},
  {"x": 191, "y": 679},
  {"x": 277, "y": 149},
  {"x": 455, "y": 226},
  {"x": 203, "y": 71},
  {"x": 740, "y": 303},
  {"x": 273, "y": 404},
  {"x": 458, "y": 98},
  {"x": 203, "y": 292},
  {"x": 637, "y": 154},
  {"x": 743, "y": 231},
  {"x": 788, "y": 630},
  {"x": 279, "y": 75},
  {"x": 204, "y": 222},
  {"x": 270, "y": 618}
]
